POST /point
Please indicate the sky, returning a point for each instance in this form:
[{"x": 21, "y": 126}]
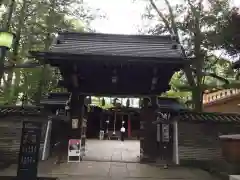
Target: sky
[{"x": 124, "y": 16}]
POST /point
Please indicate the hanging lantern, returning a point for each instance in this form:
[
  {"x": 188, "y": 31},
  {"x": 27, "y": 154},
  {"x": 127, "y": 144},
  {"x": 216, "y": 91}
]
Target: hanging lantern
[
  {"x": 6, "y": 39},
  {"x": 114, "y": 77},
  {"x": 67, "y": 107},
  {"x": 88, "y": 100},
  {"x": 128, "y": 103},
  {"x": 103, "y": 102}
]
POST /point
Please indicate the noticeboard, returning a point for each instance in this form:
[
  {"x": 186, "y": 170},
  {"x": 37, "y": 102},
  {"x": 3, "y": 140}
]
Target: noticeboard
[
  {"x": 29, "y": 150},
  {"x": 165, "y": 133},
  {"x": 74, "y": 123},
  {"x": 74, "y": 153}
]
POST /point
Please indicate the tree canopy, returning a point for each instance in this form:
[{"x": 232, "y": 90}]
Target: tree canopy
[
  {"x": 200, "y": 27},
  {"x": 35, "y": 24},
  {"x": 229, "y": 35}
]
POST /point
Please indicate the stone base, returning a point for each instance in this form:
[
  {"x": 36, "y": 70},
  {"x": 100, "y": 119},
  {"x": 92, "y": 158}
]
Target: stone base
[{"x": 234, "y": 177}]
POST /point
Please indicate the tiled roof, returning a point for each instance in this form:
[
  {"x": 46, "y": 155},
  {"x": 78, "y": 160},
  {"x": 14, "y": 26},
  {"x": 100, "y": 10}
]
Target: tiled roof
[
  {"x": 53, "y": 102},
  {"x": 58, "y": 95},
  {"x": 20, "y": 111},
  {"x": 123, "y": 109},
  {"x": 55, "y": 99},
  {"x": 187, "y": 116},
  {"x": 116, "y": 45},
  {"x": 209, "y": 117},
  {"x": 133, "y": 59},
  {"x": 69, "y": 46}
]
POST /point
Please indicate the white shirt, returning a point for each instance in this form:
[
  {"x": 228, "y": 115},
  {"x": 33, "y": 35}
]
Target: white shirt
[{"x": 122, "y": 129}]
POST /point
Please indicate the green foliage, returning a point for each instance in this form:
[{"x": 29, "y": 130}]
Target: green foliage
[
  {"x": 229, "y": 33},
  {"x": 98, "y": 101},
  {"x": 198, "y": 25},
  {"x": 35, "y": 22}
]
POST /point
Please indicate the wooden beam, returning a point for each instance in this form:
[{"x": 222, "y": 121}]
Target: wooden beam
[{"x": 75, "y": 81}]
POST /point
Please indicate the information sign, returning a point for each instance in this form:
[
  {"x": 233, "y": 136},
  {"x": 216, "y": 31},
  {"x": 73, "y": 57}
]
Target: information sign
[
  {"x": 29, "y": 150},
  {"x": 74, "y": 153}
]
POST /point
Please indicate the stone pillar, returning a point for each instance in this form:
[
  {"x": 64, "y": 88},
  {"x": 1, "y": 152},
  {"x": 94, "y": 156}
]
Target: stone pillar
[
  {"x": 78, "y": 122},
  {"x": 175, "y": 143},
  {"x": 114, "y": 123},
  {"x": 84, "y": 130},
  {"x": 129, "y": 126}
]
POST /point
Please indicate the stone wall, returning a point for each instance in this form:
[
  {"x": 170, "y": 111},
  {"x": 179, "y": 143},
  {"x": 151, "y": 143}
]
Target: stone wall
[
  {"x": 10, "y": 136},
  {"x": 200, "y": 141}
]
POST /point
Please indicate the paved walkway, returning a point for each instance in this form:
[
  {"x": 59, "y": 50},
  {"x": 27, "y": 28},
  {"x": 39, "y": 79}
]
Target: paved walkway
[
  {"x": 112, "y": 151},
  {"x": 112, "y": 170}
]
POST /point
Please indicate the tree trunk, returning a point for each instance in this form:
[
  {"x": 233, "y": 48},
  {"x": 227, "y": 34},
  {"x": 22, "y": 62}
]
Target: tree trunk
[
  {"x": 48, "y": 41},
  {"x": 10, "y": 88},
  {"x": 19, "y": 30},
  {"x": 199, "y": 57},
  {"x": 197, "y": 99},
  {"x": 187, "y": 70},
  {"x": 172, "y": 28},
  {"x": 7, "y": 90},
  {"x": 10, "y": 13}
]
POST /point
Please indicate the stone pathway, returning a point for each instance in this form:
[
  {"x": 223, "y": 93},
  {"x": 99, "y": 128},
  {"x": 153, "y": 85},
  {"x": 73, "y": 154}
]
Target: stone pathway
[
  {"x": 112, "y": 151},
  {"x": 113, "y": 170}
]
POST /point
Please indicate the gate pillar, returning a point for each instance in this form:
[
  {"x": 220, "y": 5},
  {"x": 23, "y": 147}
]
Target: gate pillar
[
  {"x": 78, "y": 122},
  {"x": 76, "y": 114},
  {"x": 148, "y": 143}
]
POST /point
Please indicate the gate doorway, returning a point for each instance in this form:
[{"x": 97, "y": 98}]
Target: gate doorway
[
  {"x": 112, "y": 151},
  {"x": 104, "y": 136}
]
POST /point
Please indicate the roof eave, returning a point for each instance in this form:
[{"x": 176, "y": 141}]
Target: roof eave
[{"x": 49, "y": 57}]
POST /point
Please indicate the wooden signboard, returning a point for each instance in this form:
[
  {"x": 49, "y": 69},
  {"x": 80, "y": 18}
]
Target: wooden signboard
[{"x": 29, "y": 151}]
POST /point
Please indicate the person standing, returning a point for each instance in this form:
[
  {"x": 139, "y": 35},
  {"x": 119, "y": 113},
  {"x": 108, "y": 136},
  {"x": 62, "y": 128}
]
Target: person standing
[{"x": 122, "y": 131}]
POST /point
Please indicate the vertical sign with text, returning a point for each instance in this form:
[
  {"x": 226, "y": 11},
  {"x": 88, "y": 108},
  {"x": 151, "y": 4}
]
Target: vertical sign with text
[
  {"x": 29, "y": 151},
  {"x": 165, "y": 133}
]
